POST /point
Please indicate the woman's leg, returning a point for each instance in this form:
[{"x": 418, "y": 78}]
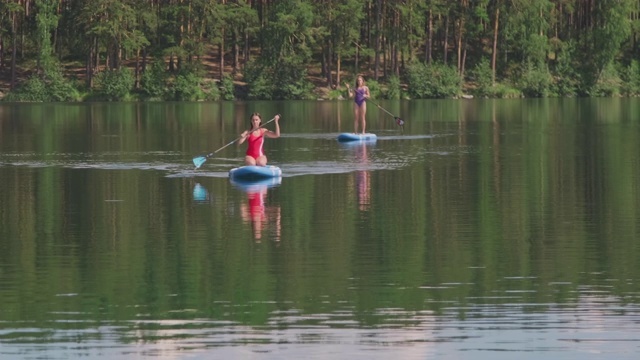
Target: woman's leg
[
  {"x": 356, "y": 118},
  {"x": 249, "y": 160},
  {"x": 261, "y": 160},
  {"x": 363, "y": 119}
]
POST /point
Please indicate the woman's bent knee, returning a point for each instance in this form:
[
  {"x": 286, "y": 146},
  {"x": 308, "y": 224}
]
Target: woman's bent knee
[{"x": 248, "y": 160}]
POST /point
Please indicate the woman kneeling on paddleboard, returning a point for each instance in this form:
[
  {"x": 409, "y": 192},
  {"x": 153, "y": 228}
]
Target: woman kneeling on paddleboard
[{"x": 255, "y": 154}]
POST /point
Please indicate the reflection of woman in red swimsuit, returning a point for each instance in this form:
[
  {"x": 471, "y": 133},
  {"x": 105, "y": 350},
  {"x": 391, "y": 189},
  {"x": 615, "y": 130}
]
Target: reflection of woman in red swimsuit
[
  {"x": 256, "y": 212},
  {"x": 259, "y": 215},
  {"x": 255, "y": 154},
  {"x": 359, "y": 95}
]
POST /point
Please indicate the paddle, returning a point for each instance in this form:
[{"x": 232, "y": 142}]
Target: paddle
[
  {"x": 399, "y": 121},
  {"x": 199, "y": 160}
]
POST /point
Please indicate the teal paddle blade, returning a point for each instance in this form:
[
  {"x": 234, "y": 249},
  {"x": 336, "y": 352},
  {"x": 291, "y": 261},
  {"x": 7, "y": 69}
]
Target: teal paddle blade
[{"x": 198, "y": 161}]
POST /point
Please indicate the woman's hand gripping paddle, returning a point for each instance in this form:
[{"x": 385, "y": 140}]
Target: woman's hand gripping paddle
[{"x": 199, "y": 160}]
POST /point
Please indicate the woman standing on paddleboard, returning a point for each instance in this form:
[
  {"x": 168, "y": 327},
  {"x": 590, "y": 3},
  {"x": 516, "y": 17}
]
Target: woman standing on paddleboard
[
  {"x": 255, "y": 154},
  {"x": 359, "y": 95}
]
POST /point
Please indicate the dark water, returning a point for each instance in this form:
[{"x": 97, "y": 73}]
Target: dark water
[{"x": 482, "y": 230}]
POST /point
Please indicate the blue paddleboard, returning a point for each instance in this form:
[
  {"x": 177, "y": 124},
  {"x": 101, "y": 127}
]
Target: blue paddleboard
[
  {"x": 254, "y": 172},
  {"x": 345, "y": 137}
]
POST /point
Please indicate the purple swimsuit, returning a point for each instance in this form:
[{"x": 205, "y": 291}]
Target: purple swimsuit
[{"x": 359, "y": 97}]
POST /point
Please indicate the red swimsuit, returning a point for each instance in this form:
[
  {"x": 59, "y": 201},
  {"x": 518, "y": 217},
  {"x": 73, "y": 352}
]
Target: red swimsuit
[{"x": 255, "y": 145}]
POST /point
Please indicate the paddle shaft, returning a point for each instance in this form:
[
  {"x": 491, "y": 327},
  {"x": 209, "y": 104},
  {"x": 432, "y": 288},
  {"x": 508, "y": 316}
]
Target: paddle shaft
[
  {"x": 383, "y": 109},
  {"x": 399, "y": 121}
]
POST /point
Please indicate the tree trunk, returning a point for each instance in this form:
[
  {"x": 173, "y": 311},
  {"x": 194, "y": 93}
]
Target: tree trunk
[
  {"x": 143, "y": 66},
  {"x": 117, "y": 58},
  {"x": 357, "y": 60},
  {"x": 323, "y": 65},
  {"x": 495, "y": 47},
  {"x": 393, "y": 47},
  {"x": 428, "y": 54},
  {"x": 137, "y": 70},
  {"x": 464, "y": 59},
  {"x": 96, "y": 60},
  {"x": 221, "y": 50},
  {"x": 338, "y": 71},
  {"x": 329, "y": 72},
  {"x": 376, "y": 68},
  {"x": 446, "y": 39},
  {"x": 459, "y": 45},
  {"x": 14, "y": 53},
  {"x": 384, "y": 59},
  {"x": 246, "y": 47},
  {"x": 89, "y": 66},
  {"x": 236, "y": 52}
]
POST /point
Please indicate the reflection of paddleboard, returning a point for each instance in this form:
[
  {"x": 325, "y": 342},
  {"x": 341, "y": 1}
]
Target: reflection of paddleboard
[
  {"x": 254, "y": 172},
  {"x": 344, "y": 137},
  {"x": 256, "y": 185}
]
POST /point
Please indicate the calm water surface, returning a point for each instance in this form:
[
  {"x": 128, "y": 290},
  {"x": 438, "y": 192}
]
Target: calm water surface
[{"x": 482, "y": 230}]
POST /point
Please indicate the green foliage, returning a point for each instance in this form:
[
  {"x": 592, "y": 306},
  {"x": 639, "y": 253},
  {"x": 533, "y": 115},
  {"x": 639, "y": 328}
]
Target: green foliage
[
  {"x": 535, "y": 80},
  {"x": 394, "y": 91},
  {"x": 631, "y": 79},
  {"x": 187, "y": 86},
  {"x": 49, "y": 87},
  {"x": 211, "y": 90},
  {"x": 601, "y": 43},
  {"x": 482, "y": 76},
  {"x": 34, "y": 89},
  {"x": 59, "y": 88},
  {"x": 608, "y": 84},
  {"x": 504, "y": 91},
  {"x": 340, "y": 24},
  {"x": 227, "y": 88},
  {"x": 335, "y": 94},
  {"x": 291, "y": 83},
  {"x": 280, "y": 72},
  {"x": 566, "y": 79},
  {"x": 114, "y": 85},
  {"x": 433, "y": 81},
  {"x": 524, "y": 26},
  {"x": 286, "y": 37},
  {"x": 288, "y": 34},
  {"x": 284, "y": 81},
  {"x": 260, "y": 87},
  {"x": 46, "y": 21},
  {"x": 154, "y": 80}
]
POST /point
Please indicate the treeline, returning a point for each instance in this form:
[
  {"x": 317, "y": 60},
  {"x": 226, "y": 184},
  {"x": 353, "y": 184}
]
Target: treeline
[{"x": 156, "y": 49}]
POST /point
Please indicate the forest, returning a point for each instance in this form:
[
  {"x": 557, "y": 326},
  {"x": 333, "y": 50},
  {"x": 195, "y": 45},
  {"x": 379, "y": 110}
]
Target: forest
[{"x": 115, "y": 50}]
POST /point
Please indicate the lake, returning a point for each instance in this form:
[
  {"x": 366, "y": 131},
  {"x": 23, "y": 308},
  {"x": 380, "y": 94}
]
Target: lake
[{"x": 481, "y": 229}]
